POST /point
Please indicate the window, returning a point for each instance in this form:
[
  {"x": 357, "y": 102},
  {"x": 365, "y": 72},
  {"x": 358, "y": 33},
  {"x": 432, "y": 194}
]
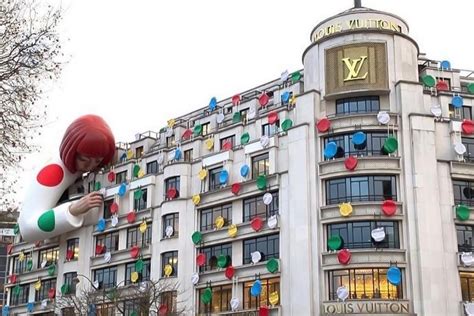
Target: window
[
  {"x": 243, "y": 115},
  {"x": 46, "y": 285},
  {"x": 214, "y": 182},
  {"x": 68, "y": 311},
  {"x": 152, "y": 167},
  {"x": 21, "y": 298},
  {"x": 105, "y": 309},
  {"x": 467, "y": 286},
  {"x": 70, "y": 278},
  {"x": 142, "y": 276},
  {"x": 90, "y": 187},
  {"x": 229, "y": 139},
  {"x": 171, "y": 220},
  {"x": 260, "y": 165},
  {"x": 136, "y": 238},
  {"x": 136, "y": 307},
  {"x": 463, "y": 192},
  {"x": 221, "y": 296},
  {"x": 269, "y": 129},
  {"x": 363, "y": 188},
  {"x": 447, "y": 81},
  {"x": 363, "y": 284},
  {"x": 269, "y": 286},
  {"x": 188, "y": 155},
  {"x": 171, "y": 258},
  {"x": 19, "y": 267},
  {"x": 465, "y": 234},
  {"x": 209, "y": 215},
  {"x": 268, "y": 246},
  {"x": 172, "y": 182},
  {"x": 206, "y": 129},
  {"x": 121, "y": 177},
  {"x": 49, "y": 255},
  {"x": 358, "y": 234},
  {"x": 109, "y": 240},
  {"x": 107, "y": 277},
  {"x": 469, "y": 143},
  {"x": 464, "y": 113},
  {"x": 254, "y": 206},
  {"x": 374, "y": 144},
  {"x": 73, "y": 246},
  {"x": 212, "y": 254},
  {"x": 170, "y": 142},
  {"x": 140, "y": 204},
  {"x": 107, "y": 212},
  {"x": 358, "y": 105},
  {"x": 169, "y": 298},
  {"x": 139, "y": 152}
]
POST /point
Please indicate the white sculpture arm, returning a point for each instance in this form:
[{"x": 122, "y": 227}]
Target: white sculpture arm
[{"x": 40, "y": 218}]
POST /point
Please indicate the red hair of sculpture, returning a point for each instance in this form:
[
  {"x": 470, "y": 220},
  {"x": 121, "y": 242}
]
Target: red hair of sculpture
[{"x": 88, "y": 135}]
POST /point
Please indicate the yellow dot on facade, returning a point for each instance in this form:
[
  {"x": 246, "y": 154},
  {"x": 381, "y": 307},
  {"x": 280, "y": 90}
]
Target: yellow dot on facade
[
  {"x": 274, "y": 298},
  {"x": 345, "y": 209},
  {"x": 168, "y": 269},
  {"x": 134, "y": 276},
  {"x": 209, "y": 143},
  {"x": 219, "y": 222},
  {"x": 196, "y": 199},
  {"x": 143, "y": 227},
  {"x": 232, "y": 232},
  {"x": 202, "y": 174}
]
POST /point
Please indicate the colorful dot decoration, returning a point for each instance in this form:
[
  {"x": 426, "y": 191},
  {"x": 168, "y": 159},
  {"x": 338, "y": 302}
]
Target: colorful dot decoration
[{"x": 51, "y": 175}]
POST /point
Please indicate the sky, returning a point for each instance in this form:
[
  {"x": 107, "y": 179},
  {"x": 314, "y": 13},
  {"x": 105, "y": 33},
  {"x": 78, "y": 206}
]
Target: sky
[{"x": 139, "y": 63}]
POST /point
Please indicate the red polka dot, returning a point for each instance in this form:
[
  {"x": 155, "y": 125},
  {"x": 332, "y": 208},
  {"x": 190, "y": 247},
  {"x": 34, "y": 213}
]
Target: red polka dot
[{"x": 51, "y": 175}]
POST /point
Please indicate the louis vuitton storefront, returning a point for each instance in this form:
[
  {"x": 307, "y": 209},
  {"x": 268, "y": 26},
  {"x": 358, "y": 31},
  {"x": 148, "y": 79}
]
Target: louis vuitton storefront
[{"x": 344, "y": 188}]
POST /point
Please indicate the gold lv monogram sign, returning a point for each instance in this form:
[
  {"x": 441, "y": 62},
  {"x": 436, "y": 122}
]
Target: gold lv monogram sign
[{"x": 354, "y": 66}]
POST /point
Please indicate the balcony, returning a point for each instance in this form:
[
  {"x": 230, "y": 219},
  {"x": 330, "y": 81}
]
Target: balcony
[
  {"x": 360, "y": 211},
  {"x": 460, "y": 170},
  {"x": 366, "y": 257},
  {"x": 245, "y": 273},
  {"x": 365, "y": 165},
  {"x": 119, "y": 257},
  {"x": 212, "y": 237},
  {"x": 247, "y": 188},
  {"x": 347, "y": 123}
]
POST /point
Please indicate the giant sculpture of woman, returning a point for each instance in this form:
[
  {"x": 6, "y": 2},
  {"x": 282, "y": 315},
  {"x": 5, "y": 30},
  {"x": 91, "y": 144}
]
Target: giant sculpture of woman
[{"x": 87, "y": 145}]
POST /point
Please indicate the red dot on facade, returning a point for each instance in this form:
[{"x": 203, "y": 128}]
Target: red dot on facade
[{"x": 51, "y": 175}]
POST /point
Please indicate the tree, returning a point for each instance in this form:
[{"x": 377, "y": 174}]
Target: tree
[
  {"x": 30, "y": 54},
  {"x": 144, "y": 298}
]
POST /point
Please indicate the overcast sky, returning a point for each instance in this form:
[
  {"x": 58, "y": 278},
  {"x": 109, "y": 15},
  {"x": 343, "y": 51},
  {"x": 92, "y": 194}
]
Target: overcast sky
[{"x": 139, "y": 63}]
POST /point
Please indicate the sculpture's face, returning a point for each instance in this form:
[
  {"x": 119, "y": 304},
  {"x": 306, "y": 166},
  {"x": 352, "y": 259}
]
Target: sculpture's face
[{"x": 86, "y": 164}]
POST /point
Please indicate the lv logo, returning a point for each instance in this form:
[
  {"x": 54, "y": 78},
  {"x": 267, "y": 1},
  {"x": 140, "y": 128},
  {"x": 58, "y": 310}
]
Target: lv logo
[{"x": 354, "y": 66}]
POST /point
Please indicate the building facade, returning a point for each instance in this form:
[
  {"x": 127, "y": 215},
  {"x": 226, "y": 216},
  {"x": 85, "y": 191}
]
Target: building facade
[
  {"x": 7, "y": 233},
  {"x": 342, "y": 188}
]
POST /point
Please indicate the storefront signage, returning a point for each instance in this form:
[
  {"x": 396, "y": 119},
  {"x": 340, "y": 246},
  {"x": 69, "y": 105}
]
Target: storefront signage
[
  {"x": 366, "y": 308},
  {"x": 7, "y": 232},
  {"x": 355, "y": 24},
  {"x": 361, "y": 66},
  {"x": 354, "y": 66}
]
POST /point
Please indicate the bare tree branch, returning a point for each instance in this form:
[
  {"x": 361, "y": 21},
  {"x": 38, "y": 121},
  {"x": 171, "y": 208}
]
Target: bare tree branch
[
  {"x": 144, "y": 298},
  {"x": 30, "y": 53}
]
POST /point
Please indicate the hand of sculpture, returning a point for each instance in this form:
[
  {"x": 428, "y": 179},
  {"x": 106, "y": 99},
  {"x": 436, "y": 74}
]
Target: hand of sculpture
[{"x": 86, "y": 203}]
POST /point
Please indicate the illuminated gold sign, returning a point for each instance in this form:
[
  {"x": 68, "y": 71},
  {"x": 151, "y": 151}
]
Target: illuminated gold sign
[
  {"x": 355, "y": 24},
  {"x": 366, "y": 308},
  {"x": 361, "y": 66},
  {"x": 354, "y": 66}
]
